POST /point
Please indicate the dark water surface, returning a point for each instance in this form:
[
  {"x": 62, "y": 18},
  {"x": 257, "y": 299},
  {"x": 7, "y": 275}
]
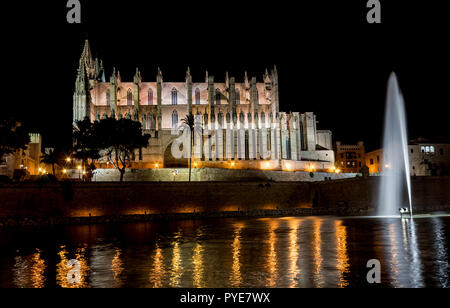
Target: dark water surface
[{"x": 250, "y": 252}]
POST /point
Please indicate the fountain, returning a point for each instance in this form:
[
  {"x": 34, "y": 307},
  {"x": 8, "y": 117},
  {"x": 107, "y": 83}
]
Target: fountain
[{"x": 395, "y": 180}]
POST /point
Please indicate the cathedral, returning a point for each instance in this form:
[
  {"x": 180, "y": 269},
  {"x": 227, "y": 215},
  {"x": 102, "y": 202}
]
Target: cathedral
[{"x": 238, "y": 123}]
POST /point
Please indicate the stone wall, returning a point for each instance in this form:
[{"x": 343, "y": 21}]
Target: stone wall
[
  {"x": 105, "y": 199},
  {"x": 212, "y": 174},
  {"x": 68, "y": 199}
]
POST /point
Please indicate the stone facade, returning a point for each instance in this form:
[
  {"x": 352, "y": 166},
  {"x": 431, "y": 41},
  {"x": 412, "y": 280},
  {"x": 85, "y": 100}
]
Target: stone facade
[
  {"x": 235, "y": 121},
  {"x": 23, "y": 162},
  {"x": 425, "y": 159},
  {"x": 350, "y": 158}
]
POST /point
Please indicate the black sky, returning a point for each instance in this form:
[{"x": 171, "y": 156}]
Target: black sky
[{"x": 330, "y": 60}]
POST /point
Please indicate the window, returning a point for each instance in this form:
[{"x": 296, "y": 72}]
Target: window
[
  {"x": 412, "y": 150},
  {"x": 144, "y": 121},
  {"x": 175, "y": 97},
  {"x": 263, "y": 119},
  {"x": 371, "y": 161},
  {"x": 153, "y": 122},
  {"x": 241, "y": 118},
  {"x": 238, "y": 97},
  {"x": 378, "y": 159},
  {"x": 220, "y": 118},
  {"x": 217, "y": 97},
  {"x": 431, "y": 149},
  {"x": 174, "y": 119},
  {"x": 149, "y": 121},
  {"x": 150, "y": 97},
  {"x": 108, "y": 99},
  {"x": 129, "y": 97},
  {"x": 422, "y": 149},
  {"x": 197, "y": 96}
]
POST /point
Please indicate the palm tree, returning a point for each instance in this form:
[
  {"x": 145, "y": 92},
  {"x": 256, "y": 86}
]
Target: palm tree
[
  {"x": 189, "y": 121},
  {"x": 52, "y": 157}
]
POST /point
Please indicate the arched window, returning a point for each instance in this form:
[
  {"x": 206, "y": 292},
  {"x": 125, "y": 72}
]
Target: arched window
[
  {"x": 238, "y": 97},
  {"x": 108, "y": 99},
  {"x": 153, "y": 122},
  {"x": 129, "y": 97},
  {"x": 241, "y": 118},
  {"x": 174, "y": 96},
  {"x": 249, "y": 118},
  {"x": 144, "y": 121},
  {"x": 197, "y": 96},
  {"x": 150, "y": 97},
  {"x": 220, "y": 118},
  {"x": 149, "y": 121},
  {"x": 263, "y": 119},
  {"x": 174, "y": 119},
  {"x": 217, "y": 97},
  {"x": 205, "y": 119},
  {"x": 228, "y": 117}
]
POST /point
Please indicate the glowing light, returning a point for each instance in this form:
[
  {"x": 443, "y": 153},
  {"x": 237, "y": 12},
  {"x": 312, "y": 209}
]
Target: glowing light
[
  {"x": 79, "y": 167},
  {"x": 387, "y": 166},
  {"x": 311, "y": 168},
  {"x": 64, "y": 171},
  {"x": 332, "y": 169},
  {"x": 40, "y": 170},
  {"x": 84, "y": 172},
  {"x": 195, "y": 164},
  {"x": 156, "y": 165},
  {"x": 233, "y": 164},
  {"x": 288, "y": 166},
  {"x": 338, "y": 171},
  {"x": 68, "y": 159}
]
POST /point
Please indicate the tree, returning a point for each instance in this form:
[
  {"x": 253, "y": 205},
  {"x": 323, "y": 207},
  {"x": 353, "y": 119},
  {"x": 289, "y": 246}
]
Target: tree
[
  {"x": 13, "y": 137},
  {"x": 118, "y": 141},
  {"x": 189, "y": 121},
  {"x": 86, "y": 145},
  {"x": 52, "y": 158}
]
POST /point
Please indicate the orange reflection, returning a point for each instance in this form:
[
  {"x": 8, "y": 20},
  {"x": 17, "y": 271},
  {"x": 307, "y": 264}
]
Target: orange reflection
[
  {"x": 158, "y": 272},
  {"x": 198, "y": 266},
  {"x": 79, "y": 272},
  {"x": 342, "y": 256},
  {"x": 294, "y": 252},
  {"x": 29, "y": 271},
  {"x": 235, "y": 277},
  {"x": 197, "y": 260},
  {"x": 272, "y": 265},
  {"x": 117, "y": 266},
  {"x": 177, "y": 269},
  {"x": 317, "y": 253}
]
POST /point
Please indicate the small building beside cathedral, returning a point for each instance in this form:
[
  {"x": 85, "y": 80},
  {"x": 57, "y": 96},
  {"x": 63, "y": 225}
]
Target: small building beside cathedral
[{"x": 237, "y": 122}]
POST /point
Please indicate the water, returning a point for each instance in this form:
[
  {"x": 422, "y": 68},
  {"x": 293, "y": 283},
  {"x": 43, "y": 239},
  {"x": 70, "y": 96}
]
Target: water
[
  {"x": 396, "y": 175},
  {"x": 250, "y": 252}
]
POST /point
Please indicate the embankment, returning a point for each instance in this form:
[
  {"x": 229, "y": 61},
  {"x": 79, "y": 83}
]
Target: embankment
[{"x": 103, "y": 202}]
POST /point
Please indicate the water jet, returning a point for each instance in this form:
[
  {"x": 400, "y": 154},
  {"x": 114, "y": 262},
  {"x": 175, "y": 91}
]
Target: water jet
[{"x": 395, "y": 178}]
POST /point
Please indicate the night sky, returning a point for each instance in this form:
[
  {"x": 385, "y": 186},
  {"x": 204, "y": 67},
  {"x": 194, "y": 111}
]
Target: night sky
[{"x": 330, "y": 60}]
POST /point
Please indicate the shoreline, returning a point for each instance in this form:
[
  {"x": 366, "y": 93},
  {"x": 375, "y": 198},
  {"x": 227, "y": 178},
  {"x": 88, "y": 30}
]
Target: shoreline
[{"x": 14, "y": 222}]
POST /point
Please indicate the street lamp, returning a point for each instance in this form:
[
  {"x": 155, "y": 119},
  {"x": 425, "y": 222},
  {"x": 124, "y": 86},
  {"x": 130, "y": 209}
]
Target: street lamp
[{"x": 174, "y": 173}]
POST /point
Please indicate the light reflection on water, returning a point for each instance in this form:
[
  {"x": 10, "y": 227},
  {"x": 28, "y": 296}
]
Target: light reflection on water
[{"x": 270, "y": 252}]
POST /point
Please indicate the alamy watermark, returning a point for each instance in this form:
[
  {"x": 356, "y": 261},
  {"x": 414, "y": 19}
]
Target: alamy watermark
[
  {"x": 374, "y": 274},
  {"x": 74, "y": 14},
  {"x": 374, "y": 14}
]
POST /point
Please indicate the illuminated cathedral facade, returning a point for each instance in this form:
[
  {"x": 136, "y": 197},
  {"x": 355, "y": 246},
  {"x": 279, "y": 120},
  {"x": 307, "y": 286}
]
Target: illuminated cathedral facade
[{"x": 237, "y": 123}]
